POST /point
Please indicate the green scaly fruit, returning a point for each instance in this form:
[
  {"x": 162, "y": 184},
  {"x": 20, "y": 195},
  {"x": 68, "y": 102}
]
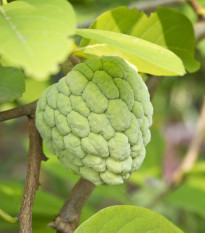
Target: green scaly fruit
[{"x": 96, "y": 120}]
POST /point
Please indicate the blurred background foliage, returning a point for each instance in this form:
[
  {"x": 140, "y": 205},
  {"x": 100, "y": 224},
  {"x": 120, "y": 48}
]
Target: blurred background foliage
[{"x": 177, "y": 104}]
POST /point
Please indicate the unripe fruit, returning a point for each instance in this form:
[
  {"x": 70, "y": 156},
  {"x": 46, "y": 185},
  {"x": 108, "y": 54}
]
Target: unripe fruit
[{"x": 96, "y": 120}]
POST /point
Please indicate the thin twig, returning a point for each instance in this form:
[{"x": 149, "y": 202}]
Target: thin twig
[
  {"x": 74, "y": 60},
  {"x": 188, "y": 161},
  {"x": 35, "y": 156},
  {"x": 25, "y": 110},
  {"x": 197, "y": 8},
  {"x": 67, "y": 220},
  {"x": 199, "y": 30},
  {"x": 193, "y": 152}
]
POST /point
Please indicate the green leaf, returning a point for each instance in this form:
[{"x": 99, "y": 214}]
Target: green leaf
[
  {"x": 124, "y": 219},
  {"x": 34, "y": 34},
  {"x": 45, "y": 206},
  {"x": 148, "y": 57},
  {"x": 11, "y": 83},
  {"x": 166, "y": 27}
]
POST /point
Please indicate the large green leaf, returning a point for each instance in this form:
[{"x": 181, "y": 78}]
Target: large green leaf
[
  {"x": 124, "y": 219},
  {"x": 166, "y": 27},
  {"x": 34, "y": 34},
  {"x": 148, "y": 57},
  {"x": 11, "y": 83}
]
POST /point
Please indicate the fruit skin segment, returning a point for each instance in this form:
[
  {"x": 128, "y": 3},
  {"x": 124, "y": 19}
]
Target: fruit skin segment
[{"x": 96, "y": 120}]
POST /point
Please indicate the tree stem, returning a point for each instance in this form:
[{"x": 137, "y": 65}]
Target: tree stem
[
  {"x": 25, "y": 110},
  {"x": 67, "y": 219},
  {"x": 32, "y": 177}
]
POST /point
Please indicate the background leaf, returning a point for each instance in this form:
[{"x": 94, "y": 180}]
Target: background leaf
[
  {"x": 148, "y": 57},
  {"x": 12, "y": 83},
  {"x": 34, "y": 34},
  {"x": 123, "y": 219},
  {"x": 190, "y": 195},
  {"x": 44, "y": 210},
  {"x": 166, "y": 27}
]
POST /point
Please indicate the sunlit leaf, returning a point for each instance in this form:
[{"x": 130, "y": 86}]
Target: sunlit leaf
[
  {"x": 12, "y": 83},
  {"x": 168, "y": 28},
  {"x": 148, "y": 57},
  {"x": 124, "y": 219},
  {"x": 34, "y": 34}
]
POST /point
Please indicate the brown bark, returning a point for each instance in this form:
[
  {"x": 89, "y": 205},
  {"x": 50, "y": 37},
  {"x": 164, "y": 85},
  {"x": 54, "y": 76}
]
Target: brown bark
[
  {"x": 67, "y": 219},
  {"x": 35, "y": 156}
]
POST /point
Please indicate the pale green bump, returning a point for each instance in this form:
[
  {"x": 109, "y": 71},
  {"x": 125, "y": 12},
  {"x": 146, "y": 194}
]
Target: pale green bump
[
  {"x": 147, "y": 137},
  {"x": 75, "y": 160},
  {"x": 134, "y": 79},
  {"x": 69, "y": 164},
  {"x": 125, "y": 176},
  {"x": 148, "y": 108},
  {"x": 63, "y": 87},
  {"x": 66, "y": 153},
  {"x": 99, "y": 124},
  {"x": 140, "y": 121},
  {"x": 84, "y": 70},
  {"x": 94, "y": 99},
  {"x": 63, "y": 104},
  {"x": 117, "y": 166},
  {"x": 138, "y": 110},
  {"x": 76, "y": 82},
  {"x": 133, "y": 131},
  {"x": 137, "y": 161},
  {"x": 135, "y": 150},
  {"x": 94, "y": 64},
  {"x": 90, "y": 175},
  {"x": 96, "y": 163},
  {"x": 106, "y": 85},
  {"x": 62, "y": 124},
  {"x": 126, "y": 92},
  {"x": 116, "y": 67},
  {"x": 111, "y": 178},
  {"x": 144, "y": 96},
  {"x": 50, "y": 146},
  {"x": 119, "y": 146},
  {"x": 58, "y": 139},
  {"x": 73, "y": 145},
  {"x": 43, "y": 128},
  {"x": 95, "y": 144},
  {"x": 78, "y": 124},
  {"x": 79, "y": 105},
  {"x": 52, "y": 96},
  {"x": 149, "y": 118},
  {"x": 49, "y": 115},
  {"x": 144, "y": 126},
  {"x": 42, "y": 102},
  {"x": 56, "y": 113},
  {"x": 78, "y": 162},
  {"x": 119, "y": 115}
]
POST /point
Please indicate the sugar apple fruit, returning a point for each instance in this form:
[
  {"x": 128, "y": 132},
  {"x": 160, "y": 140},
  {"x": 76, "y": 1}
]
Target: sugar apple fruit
[{"x": 96, "y": 120}]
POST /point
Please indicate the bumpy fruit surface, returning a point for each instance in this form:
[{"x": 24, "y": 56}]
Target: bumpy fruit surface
[{"x": 96, "y": 120}]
